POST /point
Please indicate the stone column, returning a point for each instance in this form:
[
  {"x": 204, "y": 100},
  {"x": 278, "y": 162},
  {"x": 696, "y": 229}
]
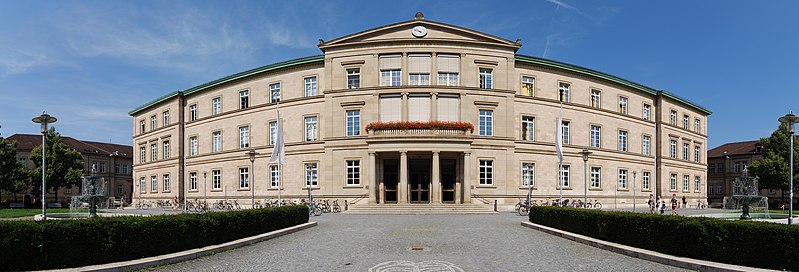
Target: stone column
[
  {"x": 467, "y": 177},
  {"x": 402, "y": 189},
  {"x": 435, "y": 194},
  {"x": 372, "y": 178}
]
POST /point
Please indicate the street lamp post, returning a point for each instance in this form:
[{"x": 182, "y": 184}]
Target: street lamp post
[
  {"x": 585, "y": 154},
  {"x": 205, "y": 188},
  {"x": 44, "y": 119},
  {"x": 252, "y": 154},
  {"x": 789, "y": 119},
  {"x": 634, "y": 193}
]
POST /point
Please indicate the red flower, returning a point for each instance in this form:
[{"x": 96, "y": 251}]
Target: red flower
[{"x": 406, "y": 125}]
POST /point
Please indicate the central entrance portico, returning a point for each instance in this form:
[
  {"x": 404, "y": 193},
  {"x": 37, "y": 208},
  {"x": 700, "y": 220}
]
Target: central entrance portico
[{"x": 419, "y": 177}]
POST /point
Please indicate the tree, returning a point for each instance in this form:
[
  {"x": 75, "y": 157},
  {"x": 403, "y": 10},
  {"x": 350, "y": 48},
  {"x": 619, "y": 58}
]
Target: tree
[
  {"x": 13, "y": 175},
  {"x": 64, "y": 165},
  {"x": 773, "y": 170}
]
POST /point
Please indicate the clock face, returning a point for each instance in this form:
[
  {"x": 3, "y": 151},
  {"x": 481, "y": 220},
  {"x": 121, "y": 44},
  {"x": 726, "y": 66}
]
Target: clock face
[{"x": 419, "y": 31}]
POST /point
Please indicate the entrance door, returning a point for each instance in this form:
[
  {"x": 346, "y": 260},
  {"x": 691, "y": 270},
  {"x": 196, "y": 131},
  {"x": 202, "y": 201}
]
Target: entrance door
[
  {"x": 448, "y": 176},
  {"x": 390, "y": 180},
  {"x": 419, "y": 182}
]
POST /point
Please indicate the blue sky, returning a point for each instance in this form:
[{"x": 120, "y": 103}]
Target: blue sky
[{"x": 90, "y": 62}]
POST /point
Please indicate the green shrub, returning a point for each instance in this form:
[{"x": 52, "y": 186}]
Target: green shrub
[
  {"x": 29, "y": 245},
  {"x": 755, "y": 244}
]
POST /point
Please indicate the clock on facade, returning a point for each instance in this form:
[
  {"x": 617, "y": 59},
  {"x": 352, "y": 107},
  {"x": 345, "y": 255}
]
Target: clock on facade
[{"x": 419, "y": 31}]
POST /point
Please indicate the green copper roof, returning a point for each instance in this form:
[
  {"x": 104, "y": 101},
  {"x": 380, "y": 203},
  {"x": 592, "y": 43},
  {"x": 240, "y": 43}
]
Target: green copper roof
[
  {"x": 611, "y": 78},
  {"x": 271, "y": 67}
]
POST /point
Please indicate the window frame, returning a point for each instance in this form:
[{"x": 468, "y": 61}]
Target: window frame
[
  {"x": 153, "y": 184},
  {"x": 311, "y": 173},
  {"x": 192, "y": 181},
  {"x": 216, "y": 106},
  {"x": 595, "y": 177},
  {"x": 564, "y": 176},
  {"x": 595, "y": 136},
  {"x": 216, "y": 179},
  {"x": 244, "y": 178},
  {"x": 647, "y": 112},
  {"x": 165, "y": 118},
  {"x": 352, "y": 123},
  {"x": 528, "y": 125},
  {"x": 193, "y": 112},
  {"x": 311, "y": 85},
  {"x": 624, "y": 104},
  {"x": 646, "y": 145},
  {"x": 527, "y": 81},
  {"x": 216, "y": 141},
  {"x": 274, "y": 176},
  {"x": 623, "y": 140},
  {"x": 686, "y": 183},
  {"x": 485, "y": 78},
  {"x": 352, "y": 173},
  {"x": 646, "y": 181},
  {"x": 166, "y": 183},
  {"x": 167, "y": 149},
  {"x": 596, "y": 98},
  {"x": 244, "y": 137},
  {"x": 565, "y": 88},
  {"x": 485, "y": 122},
  {"x": 315, "y": 135},
  {"x": 244, "y": 99},
  {"x": 527, "y": 174},
  {"x": 275, "y": 94},
  {"x": 353, "y": 77},
  {"x": 486, "y": 172},
  {"x": 193, "y": 146},
  {"x": 622, "y": 183}
]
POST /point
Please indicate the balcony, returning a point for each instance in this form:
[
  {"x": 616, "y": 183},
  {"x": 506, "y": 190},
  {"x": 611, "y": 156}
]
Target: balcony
[{"x": 419, "y": 132}]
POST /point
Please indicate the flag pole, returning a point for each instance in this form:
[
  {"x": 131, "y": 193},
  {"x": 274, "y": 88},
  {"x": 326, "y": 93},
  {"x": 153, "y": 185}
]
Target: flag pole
[
  {"x": 280, "y": 174},
  {"x": 559, "y": 147}
]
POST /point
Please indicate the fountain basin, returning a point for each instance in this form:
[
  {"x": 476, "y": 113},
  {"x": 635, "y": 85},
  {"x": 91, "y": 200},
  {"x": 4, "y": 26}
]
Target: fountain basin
[{"x": 73, "y": 216}]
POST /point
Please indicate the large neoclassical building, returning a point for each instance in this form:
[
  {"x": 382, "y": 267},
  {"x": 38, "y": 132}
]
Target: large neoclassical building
[{"x": 420, "y": 112}]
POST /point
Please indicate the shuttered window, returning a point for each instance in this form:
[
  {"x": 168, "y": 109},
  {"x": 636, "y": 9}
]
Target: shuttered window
[
  {"x": 390, "y": 108},
  {"x": 448, "y": 107},
  {"x": 419, "y": 107}
]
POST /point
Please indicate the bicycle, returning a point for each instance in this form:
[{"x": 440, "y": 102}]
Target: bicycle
[
  {"x": 313, "y": 209},
  {"x": 142, "y": 205},
  {"x": 336, "y": 207}
]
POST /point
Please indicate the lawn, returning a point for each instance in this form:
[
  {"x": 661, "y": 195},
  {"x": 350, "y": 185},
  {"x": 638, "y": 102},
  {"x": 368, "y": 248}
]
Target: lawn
[{"x": 11, "y": 213}]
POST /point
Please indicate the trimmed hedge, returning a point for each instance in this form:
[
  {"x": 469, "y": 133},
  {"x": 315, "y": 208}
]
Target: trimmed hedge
[
  {"x": 30, "y": 245},
  {"x": 747, "y": 243}
]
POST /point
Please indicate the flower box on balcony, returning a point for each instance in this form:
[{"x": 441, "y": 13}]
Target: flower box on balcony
[{"x": 416, "y": 126}]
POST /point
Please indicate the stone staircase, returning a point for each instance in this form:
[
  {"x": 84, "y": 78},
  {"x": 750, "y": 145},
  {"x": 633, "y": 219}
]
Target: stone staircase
[{"x": 420, "y": 209}]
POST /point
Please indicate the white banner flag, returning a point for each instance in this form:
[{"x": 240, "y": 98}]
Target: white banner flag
[
  {"x": 559, "y": 135},
  {"x": 278, "y": 152}
]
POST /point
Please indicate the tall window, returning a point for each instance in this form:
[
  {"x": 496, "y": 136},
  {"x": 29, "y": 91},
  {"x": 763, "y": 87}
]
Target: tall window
[
  {"x": 486, "y": 172},
  {"x": 390, "y": 77},
  {"x": 141, "y": 126},
  {"x": 142, "y": 154},
  {"x": 528, "y": 128},
  {"x": 596, "y": 98},
  {"x": 563, "y": 92},
  {"x": 697, "y": 125},
  {"x": 244, "y": 137},
  {"x": 216, "y": 141},
  {"x": 311, "y": 128},
  {"x": 117, "y": 168},
  {"x": 272, "y": 132},
  {"x": 673, "y": 182},
  {"x": 622, "y": 179},
  {"x": 311, "y": 174},
  {"x": 486, "y": 122},
  {"x": 564, "y": 126},
  {"x": 486, "y": 78},
  {"x": 528, "y": 86},
  {"x": 596, "y": 177},
  {"x": 622, "y": 105},
  {"x": 166, "y": 118},
  {"x": 310, "y": 86},
  {"x": 646, "y": 180},
  {"x": 193, "y": 146},
  {"x": 353, "y": 172},
  {"x": 564, "y": 175},
  {"x": 686, "y": 183},
  {"x": 274, "y": 176},
  {"x": 193, "y": 181},
  {"x": 193, "y": 112},
  {"x": 697, "y": 183},
  {"x": 697, "y": 149},
  {"x": 596, "y": 136},
  {"x": 244, "y": 99},
  {"x": 719, "y": 190},
  {"x": 244, "y": 177},
  {"x": 685, "y": 122},
  {"x": 142, "y": 185},
  {"x": 448, "y": 69},
  {"x": 153, "y": 152},
  {"x": 622, "y": 140},
  {"x": 685, "y": 151},
  {"x": 646, "y": 145},
  {"x": 153, "y": 184},
  {"x": 390, "y": 70},
  {"x": 216, "y": 106},
  {"x": 353, "y": 122},
  {"x": 419, "y": 69},
  {"x": 353, "y": 78},
  {"x": 647, "y": 112},
  {"x": 448, "y": 107},
  {"x": 419, "y": 107},
  {"x": 528, "y": 174},
  {"x": 673, "y": 149},
  {"x": 166, "y": 150},
  {"x": 153, "y": 122},
  {"x": 101, "y": 167},
  {"x": 166, "y": 183},
  {"x": 274, "y": 92},
  {"x": 216, "y": 179},
  {"x": 673, "y": 117}
]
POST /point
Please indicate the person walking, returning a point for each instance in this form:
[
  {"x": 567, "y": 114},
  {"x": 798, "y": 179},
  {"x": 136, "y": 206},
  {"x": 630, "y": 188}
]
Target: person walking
[
  {"x": 658, "y": 204},
  {"x": 674, "y": 204},
  {"x": 651, "y": 203},
  {"x": 684, "y": 202}
]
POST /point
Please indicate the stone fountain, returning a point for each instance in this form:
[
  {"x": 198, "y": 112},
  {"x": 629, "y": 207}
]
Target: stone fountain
[
  {"x": 94, "y": 194},
  {"x": 748, "y": 196}
]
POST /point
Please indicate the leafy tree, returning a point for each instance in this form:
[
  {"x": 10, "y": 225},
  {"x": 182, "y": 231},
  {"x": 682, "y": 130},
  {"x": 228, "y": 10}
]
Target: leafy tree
[
  {"x": 13, "y": 175},
  {"x": 64, "y": 165},
  {"x": 773, "y": 170}
]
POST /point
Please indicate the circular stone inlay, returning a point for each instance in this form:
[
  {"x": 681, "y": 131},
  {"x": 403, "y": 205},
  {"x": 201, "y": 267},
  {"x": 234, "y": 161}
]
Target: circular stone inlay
[{"x": 408, "y": 266}]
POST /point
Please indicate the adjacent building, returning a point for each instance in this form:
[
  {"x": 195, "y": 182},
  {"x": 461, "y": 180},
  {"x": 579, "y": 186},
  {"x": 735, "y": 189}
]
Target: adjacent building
[
  {"x": 113, "y": 163},
  {"x": 386, "y": 116}
]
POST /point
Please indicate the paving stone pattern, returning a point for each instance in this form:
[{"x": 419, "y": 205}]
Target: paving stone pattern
[{"x": 344, "y": 242}]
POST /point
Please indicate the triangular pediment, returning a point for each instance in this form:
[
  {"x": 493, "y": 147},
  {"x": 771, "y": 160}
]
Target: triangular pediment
[{"x": 435, "y": 31}]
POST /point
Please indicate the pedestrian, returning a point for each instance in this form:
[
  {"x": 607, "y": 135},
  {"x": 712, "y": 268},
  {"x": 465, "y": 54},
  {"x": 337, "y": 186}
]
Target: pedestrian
[
  {"x": 651, "y": 203},
  {"x": 662, "y": 205},
  {"x": 674, "y": 204},
  {"x": 657, "y": 204},
  {"x": 122, "y": 203},
  {"x": 684, "y": 202}
]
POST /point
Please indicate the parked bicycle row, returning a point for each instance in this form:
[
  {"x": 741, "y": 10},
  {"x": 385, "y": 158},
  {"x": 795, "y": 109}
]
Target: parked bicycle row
[
  {"x": 523, "y": 207},
  {"x": 316, "y": 208}
]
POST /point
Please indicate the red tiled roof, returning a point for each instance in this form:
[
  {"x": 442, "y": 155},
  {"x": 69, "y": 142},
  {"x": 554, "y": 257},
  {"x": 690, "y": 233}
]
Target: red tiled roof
[
  {"x": 27, "y": 142},
  {"x": 730, "y": 149}
]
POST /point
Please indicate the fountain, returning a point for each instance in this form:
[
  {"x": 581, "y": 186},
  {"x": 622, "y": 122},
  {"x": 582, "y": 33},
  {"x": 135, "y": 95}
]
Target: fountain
[{"x": 747, "y": 197}]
